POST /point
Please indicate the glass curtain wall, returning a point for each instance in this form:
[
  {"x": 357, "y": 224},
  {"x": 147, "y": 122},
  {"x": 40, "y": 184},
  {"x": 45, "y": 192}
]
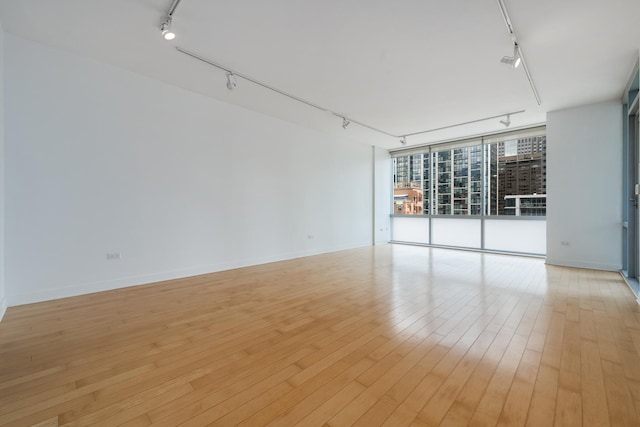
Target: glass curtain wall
[
  {"x": 630, "y": 197},
  {"x": 502, "y": 175}
]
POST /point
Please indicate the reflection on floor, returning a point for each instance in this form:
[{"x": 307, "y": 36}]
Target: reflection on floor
[{"x": 387, "y": 335}]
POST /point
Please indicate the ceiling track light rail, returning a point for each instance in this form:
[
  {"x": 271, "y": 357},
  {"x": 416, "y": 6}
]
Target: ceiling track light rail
[
  {"x": 515, "y": 61},
  {"x": 346, "y": 121},
  {"x": 518, "y": 56},
  {"x": 467, "y": 123},
  {"x": 280, "y": 92}
]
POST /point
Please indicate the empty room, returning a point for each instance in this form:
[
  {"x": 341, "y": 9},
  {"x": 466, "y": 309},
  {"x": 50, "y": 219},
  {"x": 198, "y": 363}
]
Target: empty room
[{"x": 297, "y": 213}]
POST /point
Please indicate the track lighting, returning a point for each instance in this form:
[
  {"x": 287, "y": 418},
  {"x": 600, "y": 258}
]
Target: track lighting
[
  {"x": 345, "y": 121},
  {"x": 165, "y": 29},
  {"x": 514, "y": 60},
  {"x": 231, "y": 81}
]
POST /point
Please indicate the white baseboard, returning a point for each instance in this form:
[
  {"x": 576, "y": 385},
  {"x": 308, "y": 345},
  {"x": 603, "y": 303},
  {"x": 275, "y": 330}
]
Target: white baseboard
[
  {"x": 584, "y": 264},
  {"x": 143, "y": 279},
  {"x": 3, "y": 308}
]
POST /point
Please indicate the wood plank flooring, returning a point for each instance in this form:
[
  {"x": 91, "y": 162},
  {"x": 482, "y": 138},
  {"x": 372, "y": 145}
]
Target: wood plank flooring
[{"x": 389, "y": 335}]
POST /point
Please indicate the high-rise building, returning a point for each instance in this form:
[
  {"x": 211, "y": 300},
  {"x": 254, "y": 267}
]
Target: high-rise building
[
  {"x": 408, "y": 192},
  {"x": 522, "y": 168},
  {"x": 458, "y": 188},
  {"x": 407, "y": 171},
  {"x": 451, "y": 181},
  {"x": 526, "y": 205}
]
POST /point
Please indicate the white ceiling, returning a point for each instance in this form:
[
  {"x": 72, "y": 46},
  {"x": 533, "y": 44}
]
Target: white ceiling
[{"x": 400, "y": 66}]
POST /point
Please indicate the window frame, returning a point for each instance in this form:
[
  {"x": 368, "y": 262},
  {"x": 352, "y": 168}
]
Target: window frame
[{"x": 438, "y": 188}]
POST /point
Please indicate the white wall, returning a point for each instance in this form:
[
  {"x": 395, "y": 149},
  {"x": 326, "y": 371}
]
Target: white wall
[
  {"x": 103, "y": 160},
  {"x": 3, "y": 303},
  {"x": 584, "y": 181}
]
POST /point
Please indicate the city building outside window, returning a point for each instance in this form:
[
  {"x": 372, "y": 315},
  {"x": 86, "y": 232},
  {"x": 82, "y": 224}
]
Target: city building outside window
[{"x": 507, "y": 177}]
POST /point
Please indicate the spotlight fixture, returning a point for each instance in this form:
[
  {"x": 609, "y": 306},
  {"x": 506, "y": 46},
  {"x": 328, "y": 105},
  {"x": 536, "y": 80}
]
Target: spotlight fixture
[
  {"x": 402, "y": 138},
  {"x": 165, "y": 29},
  {"x": 231, "y": 81},
  {"x": 506, "y": 122},
  {"x": 515, "y": 60}
]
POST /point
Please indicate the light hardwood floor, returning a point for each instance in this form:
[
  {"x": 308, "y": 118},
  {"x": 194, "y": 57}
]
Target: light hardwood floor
[{"x": 389, "y": 335}]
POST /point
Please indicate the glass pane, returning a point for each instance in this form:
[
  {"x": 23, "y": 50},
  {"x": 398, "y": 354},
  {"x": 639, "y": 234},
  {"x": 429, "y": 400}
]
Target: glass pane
[
  {"x": 410, "y": 185},
  {"x": 517, "y": 183},
  {"x": 461, "y": 167},
  {"x": 461, "y": 232},
  {"x": 516, "y": 236},
  {"x": 453, "y": 180},
  {"x": 411, "y": 229}
]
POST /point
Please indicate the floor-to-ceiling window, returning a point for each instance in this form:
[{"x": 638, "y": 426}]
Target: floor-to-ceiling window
[
  {"x": 483, "y": 193},
  {"x": 631, "y": 156}
]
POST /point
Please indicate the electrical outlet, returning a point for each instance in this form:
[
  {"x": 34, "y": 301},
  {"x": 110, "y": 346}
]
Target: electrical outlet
[
  {"x": 310, "y": 236},
  {"x": 113, "y": 256},
  {"x": 564, "y": 243}
]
